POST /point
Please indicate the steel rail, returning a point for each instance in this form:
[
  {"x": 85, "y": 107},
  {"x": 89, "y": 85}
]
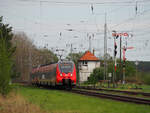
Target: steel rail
[
  {"x": 112, "y": 96},
  {"x": 110, "y": 90}
]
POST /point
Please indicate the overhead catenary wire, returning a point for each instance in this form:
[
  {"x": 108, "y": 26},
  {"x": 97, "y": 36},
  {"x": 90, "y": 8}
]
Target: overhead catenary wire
[
  {"x": 130, "y": 19},
  {"x": 123, "y": 3},
  {"x": 96, "y": 23}
]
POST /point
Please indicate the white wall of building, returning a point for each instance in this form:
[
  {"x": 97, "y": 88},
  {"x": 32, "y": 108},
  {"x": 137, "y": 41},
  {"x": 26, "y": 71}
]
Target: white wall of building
[{"x": 86, "y": 69}]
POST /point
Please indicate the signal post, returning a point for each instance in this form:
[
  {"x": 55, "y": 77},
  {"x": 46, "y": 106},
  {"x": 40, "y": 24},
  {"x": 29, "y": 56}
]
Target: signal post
[
  {"x": 124, "y": 59},
  {"x": 116, "y": 35}
]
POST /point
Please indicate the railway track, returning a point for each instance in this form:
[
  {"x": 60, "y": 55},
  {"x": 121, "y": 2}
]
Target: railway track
[
  {"x": 84, "y": 91},
  {"x": 112, "y": 96},
  {"x": 117, "y": 91}
]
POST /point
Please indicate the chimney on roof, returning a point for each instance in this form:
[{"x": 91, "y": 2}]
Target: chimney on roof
[{"x": 93, "y": 51}]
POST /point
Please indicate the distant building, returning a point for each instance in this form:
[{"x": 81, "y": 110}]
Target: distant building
[{"x": 87, "y": 63}]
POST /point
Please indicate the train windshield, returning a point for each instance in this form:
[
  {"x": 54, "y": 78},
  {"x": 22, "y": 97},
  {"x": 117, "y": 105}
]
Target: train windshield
[{"x": 66, "y": 67}]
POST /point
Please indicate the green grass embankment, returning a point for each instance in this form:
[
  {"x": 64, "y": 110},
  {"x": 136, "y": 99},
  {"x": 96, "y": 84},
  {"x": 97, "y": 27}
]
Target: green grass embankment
[{"x": 56, "y": 101}]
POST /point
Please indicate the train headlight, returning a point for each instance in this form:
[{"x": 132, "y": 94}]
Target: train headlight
[
  {"x": 71, "y": 75},
  {"x": 61, "y": 75}
]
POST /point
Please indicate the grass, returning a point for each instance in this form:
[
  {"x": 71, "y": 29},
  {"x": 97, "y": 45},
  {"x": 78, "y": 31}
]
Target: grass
[
  {"x": 15, "y": 103},
  {"x": 126, "y": 87},
  {"x": 145, "y": 88},
  {"x": 55, "y": 101}
]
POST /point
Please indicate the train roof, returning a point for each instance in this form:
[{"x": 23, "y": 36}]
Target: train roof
[
  {"x": 66, "y": 61},
  {"x": 45, "y": 64},
  {"x": 61, "y": 61}
]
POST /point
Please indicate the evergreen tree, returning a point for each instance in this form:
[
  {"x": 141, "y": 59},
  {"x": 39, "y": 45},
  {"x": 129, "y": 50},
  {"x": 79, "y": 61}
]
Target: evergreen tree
[{"x": 6, "y": 51}]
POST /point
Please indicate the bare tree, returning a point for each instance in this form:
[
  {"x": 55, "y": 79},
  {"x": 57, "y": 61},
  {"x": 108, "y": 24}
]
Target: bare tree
[{"x": 27, "y": 55}]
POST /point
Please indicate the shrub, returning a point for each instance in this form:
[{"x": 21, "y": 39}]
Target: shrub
[{"x": 146, "y": 79}]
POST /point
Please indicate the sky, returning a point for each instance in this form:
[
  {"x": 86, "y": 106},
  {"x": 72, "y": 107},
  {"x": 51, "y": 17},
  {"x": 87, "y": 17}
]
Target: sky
[{"x": 58, "y": 24}]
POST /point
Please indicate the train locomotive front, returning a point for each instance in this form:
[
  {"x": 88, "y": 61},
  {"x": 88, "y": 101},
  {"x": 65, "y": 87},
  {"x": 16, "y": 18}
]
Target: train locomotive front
[{"x": 66, "y": 73}]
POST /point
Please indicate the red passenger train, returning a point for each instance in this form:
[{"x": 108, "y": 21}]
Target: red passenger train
[{"x": 60, "y": 74}]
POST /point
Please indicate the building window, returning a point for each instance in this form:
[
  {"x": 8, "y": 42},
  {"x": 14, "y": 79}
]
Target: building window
[{"x": 85, "y": 63}]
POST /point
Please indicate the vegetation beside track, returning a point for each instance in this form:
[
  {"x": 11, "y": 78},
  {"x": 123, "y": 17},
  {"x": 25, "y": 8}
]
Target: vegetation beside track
[
  {"x": 15, "y": 103},
  {"x": 62, "y": 102},
  {"x": 122, "y": 87}
]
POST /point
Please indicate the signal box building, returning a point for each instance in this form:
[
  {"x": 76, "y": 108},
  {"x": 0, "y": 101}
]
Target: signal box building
[{"x": 86, "y": 64}]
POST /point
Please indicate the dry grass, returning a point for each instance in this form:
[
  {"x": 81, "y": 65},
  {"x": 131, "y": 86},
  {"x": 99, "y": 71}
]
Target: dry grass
[{"x": 15, "y": 103}]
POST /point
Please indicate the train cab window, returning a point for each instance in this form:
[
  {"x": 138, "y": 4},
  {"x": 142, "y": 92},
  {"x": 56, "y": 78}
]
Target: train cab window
[{"x": 66, "y": 67}]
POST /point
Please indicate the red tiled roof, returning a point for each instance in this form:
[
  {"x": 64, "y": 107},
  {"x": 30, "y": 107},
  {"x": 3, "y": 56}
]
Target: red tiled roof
[{"x": 89, "y": 56}]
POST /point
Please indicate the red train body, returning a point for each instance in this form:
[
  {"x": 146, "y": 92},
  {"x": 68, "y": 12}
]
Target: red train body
[{"x": 62, "y": 73}]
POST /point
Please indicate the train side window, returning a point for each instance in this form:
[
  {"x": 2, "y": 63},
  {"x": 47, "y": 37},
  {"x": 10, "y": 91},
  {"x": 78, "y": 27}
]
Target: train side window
[{"x": 43, "y": 76}]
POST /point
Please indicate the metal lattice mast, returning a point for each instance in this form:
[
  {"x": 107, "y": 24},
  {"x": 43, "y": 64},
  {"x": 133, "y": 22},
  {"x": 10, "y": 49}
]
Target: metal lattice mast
[{"x": 105, "y": 49}]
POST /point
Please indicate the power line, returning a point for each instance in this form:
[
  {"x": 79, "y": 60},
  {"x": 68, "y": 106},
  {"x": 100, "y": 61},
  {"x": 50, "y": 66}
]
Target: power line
[
  {"x": 130, "y": 19},
  {"x": 125, "y": 3},
  {"x": 142, "y": 34}
]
